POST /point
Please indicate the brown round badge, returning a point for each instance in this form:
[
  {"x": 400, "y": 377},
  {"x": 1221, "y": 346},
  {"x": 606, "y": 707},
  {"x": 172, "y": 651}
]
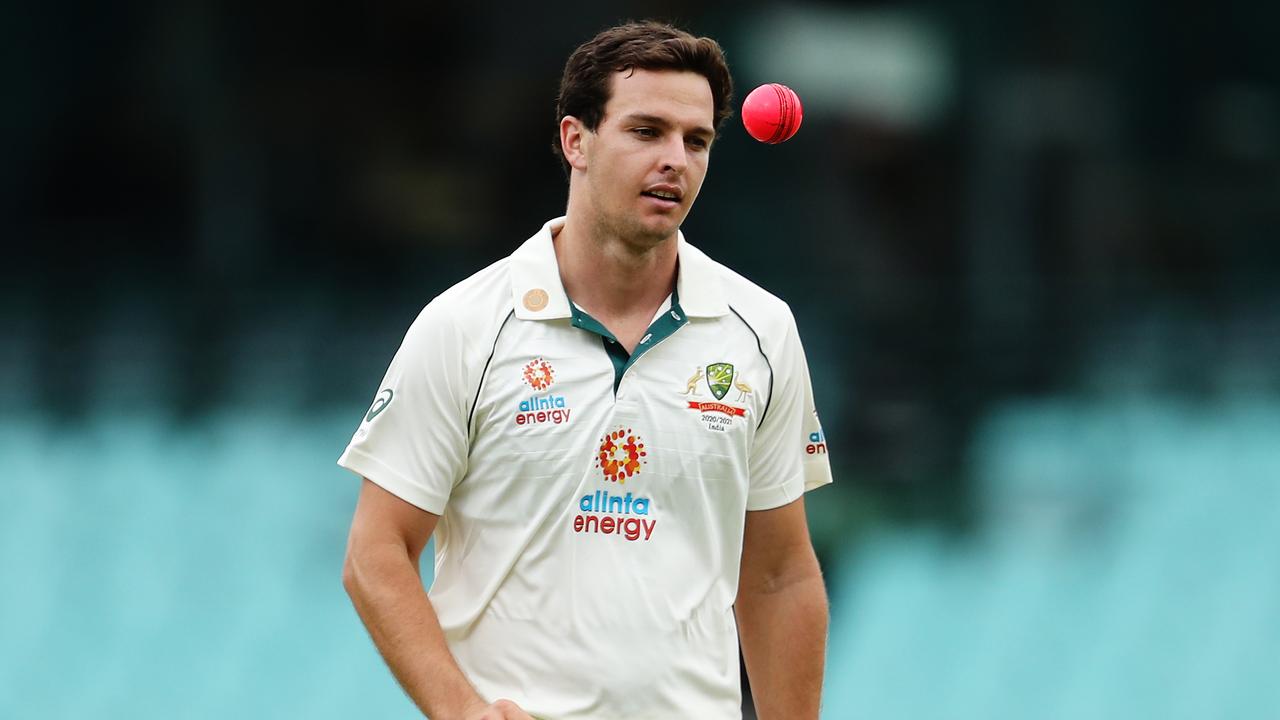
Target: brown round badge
[{"x": 535, "y": 299}]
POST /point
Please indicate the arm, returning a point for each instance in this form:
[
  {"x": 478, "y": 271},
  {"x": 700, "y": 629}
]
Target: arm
[
  {"x": 782, "y": 613},
  {"x": 381, "y": 576}
]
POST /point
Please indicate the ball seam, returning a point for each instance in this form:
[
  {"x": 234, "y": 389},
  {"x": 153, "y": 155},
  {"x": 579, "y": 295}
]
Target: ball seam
[{"x": 784, "y": 112}]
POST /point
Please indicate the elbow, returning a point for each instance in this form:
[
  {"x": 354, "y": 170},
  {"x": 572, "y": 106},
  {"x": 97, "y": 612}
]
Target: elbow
[
  {"x": 373, "y": 564},
  {"x": 350, "y": 577},
  {"x": 804, "y": 573}
]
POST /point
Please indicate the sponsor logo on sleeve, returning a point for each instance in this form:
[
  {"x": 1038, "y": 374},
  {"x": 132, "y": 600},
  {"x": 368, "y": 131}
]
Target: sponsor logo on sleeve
[{"x": 817, "y": 444}]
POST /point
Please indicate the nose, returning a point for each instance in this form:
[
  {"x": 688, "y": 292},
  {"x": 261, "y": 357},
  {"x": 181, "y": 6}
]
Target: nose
[{"x": 673, "y": 156}]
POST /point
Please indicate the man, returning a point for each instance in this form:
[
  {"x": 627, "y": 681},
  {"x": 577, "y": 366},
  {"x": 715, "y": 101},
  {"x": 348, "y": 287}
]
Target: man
[{"x": 599, "y": 523}]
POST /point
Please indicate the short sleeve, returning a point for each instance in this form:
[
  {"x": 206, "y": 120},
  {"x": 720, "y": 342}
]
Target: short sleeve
[
  {"x": 413, "y": 439},
  {"x": 789, "y": 452}
]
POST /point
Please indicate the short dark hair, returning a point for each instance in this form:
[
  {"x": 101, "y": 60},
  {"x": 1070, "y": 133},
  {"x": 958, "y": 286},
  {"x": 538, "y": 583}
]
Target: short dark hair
[{"x": 647, "y": 45}]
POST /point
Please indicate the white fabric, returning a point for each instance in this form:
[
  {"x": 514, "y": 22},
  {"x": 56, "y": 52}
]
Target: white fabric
[{"x": 549, "y": 594}]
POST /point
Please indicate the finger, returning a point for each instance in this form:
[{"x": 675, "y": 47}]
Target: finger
[{"x": 511, "y": 711}]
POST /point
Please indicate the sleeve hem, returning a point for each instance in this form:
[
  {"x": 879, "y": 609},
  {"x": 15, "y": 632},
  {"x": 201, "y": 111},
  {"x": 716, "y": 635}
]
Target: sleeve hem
[
  {"x": 393, "y": 482},
  {"x": 776, "y": 496},
  {"x": 816, "y": 475}
]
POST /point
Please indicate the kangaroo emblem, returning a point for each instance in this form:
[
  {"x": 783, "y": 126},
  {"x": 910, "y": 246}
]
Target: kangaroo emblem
[{"x": 692, "y": 386}]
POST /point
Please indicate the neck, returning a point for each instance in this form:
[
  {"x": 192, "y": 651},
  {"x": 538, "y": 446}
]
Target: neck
[{"x": 610, "y": 276}]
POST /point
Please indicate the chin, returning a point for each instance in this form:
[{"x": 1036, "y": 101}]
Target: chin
[
  {"x": 662, "y": 226},
  {"x": 655, "y": 234},
  {"x": 646, "y": 231}
]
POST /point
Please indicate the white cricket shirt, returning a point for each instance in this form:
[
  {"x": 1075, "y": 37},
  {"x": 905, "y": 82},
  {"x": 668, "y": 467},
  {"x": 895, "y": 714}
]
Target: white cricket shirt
[{"x": 592, "y": 504}]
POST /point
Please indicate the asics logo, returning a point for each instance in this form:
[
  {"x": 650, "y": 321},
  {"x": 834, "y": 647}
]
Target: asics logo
[{"x": 379, "y": 404}]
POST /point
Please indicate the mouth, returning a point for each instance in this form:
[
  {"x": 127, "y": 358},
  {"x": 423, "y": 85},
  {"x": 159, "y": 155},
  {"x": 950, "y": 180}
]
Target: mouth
[{"x": 666, "y": 195}]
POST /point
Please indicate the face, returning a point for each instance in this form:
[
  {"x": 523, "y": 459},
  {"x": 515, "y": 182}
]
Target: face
[{"x": 641, "y": 169}]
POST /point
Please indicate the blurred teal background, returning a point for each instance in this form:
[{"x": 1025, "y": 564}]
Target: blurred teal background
[{"x": 1031, "y": 250}]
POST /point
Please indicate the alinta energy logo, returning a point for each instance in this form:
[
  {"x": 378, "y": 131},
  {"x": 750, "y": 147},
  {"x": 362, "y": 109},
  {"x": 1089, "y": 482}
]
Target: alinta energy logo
[
  {"x": 817, "y": 444},
  {"x": 720, "y": 378},
  {"x": 538, "y": 409},
  {"x": 539, "y": 374},
  {"x": 621, "y": 456}
]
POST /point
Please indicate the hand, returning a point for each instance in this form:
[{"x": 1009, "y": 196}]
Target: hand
[{"x": 500, "y": 710}]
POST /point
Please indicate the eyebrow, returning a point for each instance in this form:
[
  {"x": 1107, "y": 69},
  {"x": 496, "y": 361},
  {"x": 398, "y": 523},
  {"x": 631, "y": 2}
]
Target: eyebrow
[{"x": 647, "y": 119}]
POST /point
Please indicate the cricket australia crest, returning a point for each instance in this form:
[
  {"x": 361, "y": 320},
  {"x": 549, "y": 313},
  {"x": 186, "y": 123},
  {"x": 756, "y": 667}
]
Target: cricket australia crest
[{"x": 721, "y": 378}]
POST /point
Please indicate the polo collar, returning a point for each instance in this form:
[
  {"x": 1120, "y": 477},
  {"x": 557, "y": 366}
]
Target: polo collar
[
  {"x": 538, "y": 294},
  {"x": 698, "y": 282},
  {"x": 536, "y": 290}
]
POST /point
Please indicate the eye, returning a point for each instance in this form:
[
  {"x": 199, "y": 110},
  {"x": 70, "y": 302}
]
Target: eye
[
  {"x": 698, "y": 141},
  {"x": 646, "y": 132}
]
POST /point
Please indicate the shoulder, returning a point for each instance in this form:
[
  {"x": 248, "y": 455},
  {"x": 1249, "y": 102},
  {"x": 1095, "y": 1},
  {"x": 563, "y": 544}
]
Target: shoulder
[
  {"x": 768, "y": 315},
  {"x": 468, "y": 312}
]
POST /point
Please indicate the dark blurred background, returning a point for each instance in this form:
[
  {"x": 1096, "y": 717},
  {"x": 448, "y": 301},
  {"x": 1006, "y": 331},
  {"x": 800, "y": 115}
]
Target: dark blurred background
[{"x": 1031, "y": 250}]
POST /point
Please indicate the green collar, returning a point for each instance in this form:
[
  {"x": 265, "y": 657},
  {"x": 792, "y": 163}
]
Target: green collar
[{"x": 660, "y": 329}]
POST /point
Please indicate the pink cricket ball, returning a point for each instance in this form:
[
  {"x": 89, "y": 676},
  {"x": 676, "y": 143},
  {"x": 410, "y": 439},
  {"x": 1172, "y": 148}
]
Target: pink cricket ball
[{"x": 772, "y": 113}]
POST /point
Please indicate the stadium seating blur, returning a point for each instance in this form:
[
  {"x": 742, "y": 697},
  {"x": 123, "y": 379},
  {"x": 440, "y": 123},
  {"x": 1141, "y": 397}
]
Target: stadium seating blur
[
  {"x": 164, "y": 565},
  {"x": 1119, "y": 574}
]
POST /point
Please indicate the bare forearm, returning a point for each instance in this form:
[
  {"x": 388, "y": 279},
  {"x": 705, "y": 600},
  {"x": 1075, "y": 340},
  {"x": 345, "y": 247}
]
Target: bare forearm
[
  {"x": 783, "y": 633},
  {"x": 388, "y": 595}
]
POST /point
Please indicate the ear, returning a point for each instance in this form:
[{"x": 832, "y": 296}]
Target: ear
[{"x": 575, "y": 141}]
